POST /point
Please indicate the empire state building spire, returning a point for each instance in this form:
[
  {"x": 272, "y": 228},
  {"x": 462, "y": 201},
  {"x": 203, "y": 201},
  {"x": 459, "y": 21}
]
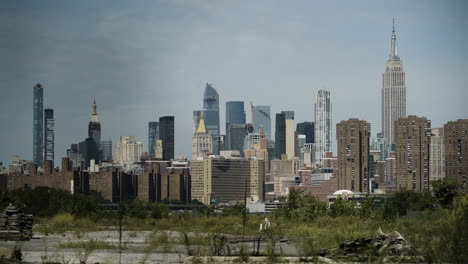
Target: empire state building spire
[{"x": 393, "y": 52}]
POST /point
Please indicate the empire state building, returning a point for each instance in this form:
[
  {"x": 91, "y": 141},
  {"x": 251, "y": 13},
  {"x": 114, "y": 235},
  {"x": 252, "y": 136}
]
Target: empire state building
[{"x": 393, "y": 92}]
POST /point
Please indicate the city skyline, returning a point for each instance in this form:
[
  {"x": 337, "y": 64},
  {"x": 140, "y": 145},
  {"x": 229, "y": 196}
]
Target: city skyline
[{"x": 130, "y": 118}]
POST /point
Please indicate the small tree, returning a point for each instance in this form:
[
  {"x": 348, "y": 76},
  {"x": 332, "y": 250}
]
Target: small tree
[{"x": 445, "y": 191}]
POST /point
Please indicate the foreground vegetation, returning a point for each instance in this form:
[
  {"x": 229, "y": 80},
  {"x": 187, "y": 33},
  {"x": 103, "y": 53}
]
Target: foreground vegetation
[{"x": 439, "y": 229}]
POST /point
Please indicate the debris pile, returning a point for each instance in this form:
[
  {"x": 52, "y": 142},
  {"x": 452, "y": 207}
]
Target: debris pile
[
  {"x": 387, "y": 248},
  {"x": 14, "y": 224}
]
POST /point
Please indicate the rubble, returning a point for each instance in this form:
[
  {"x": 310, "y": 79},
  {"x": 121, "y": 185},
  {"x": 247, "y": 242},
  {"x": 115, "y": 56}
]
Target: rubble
[
  {"x": 388, "y": 248},
  {"x": 14, "y": 224}
]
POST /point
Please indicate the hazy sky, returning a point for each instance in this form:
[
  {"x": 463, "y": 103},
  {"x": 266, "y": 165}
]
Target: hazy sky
[{"x": 146, "y": 59}]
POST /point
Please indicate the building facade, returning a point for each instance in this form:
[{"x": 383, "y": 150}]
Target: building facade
[
  {"x": 127, "y": 151},
  {"x": 166, "y": 135},
  {"x": 393, "y": 92},
  {"x": 94, "y": 127},
  {"x": 456, "y": 152},
  {"x": 106, "y": 150},
  {"x": 237, "y": 133},
  {"x": 235, "y": 114},
  {"x": 49, "y": 136},
  {"x": 353, "y": 155},
  {"x": 38, "y": 125},
  {"x": 307, "y": 129},
  {"x": 223, "y": 180},
  {"x": 413, "y": 138},
  {"x": 323, "y": 124},
  {"x": 285, "y": 142},
  {"x": 153, "y": 136},
  {"x": 211, "y": 110},
  {"x": 202, "y": 141},
  {"x": 261, "y": 117},
  {"x": 437, "y": 155}
]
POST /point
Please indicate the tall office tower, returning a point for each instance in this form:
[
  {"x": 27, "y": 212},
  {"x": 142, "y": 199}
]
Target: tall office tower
[
  {"x": 353, "y": 155},
  {"x": 413, "y": 139},
  {"x": 291, "y": 141},
  {"x": 127, "y": 151},
  {"x": 237, "y": 133},
  {"x": 89, "y": 151},
  {"x": 166, "y": 134},
  {"x": 235, "y": 115},
  {"x": 222, "y": 180},
  {"x": 437, "y": 155},
  {"x": 301, "y": 141},
  {"x": 74, "y": 155},
  {"x": 49, "y": 134},
  {"x": 280, "y": 135},
  {"x": 307, "y": 129},
  {"x": 153, "y": 136},
  {"x": 285, "y": 141},
  {"x": 393, "y": 92},
  {"x": 456, "y": 152},
  {"x": 106, "y": 150},
  {"x": 261, "y": 117},
  {"x": 380, "y": 143},
  {"x": 211, "y": 110},
  {"x": 38, "y": 125},
  {"x": 202, "y": 141},
  {"x": 323, "y": 127},
  {"x": 94, "y": 127}
]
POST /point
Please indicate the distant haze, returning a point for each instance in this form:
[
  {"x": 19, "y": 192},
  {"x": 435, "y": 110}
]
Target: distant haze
[{"x": 146, "y": 59}]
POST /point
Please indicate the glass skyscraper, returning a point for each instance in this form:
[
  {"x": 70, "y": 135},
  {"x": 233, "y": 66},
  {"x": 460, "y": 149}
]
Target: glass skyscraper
[
  {"x": 323, "y": 124},
  {"x": 307, "y": 129},
  {"x": 49, "y": 134},
  {"x": 284, "y": 134},
  {"x": 166, "y": 134},
  {"x": 106, "y": 150},
  {"x": 261, "y": 117},
  {"x": 38, "y": 125},
  {"x": 235, "y": 115},
  {"x": 211, "y": 110},
  {"x": 153, "y": 136}
]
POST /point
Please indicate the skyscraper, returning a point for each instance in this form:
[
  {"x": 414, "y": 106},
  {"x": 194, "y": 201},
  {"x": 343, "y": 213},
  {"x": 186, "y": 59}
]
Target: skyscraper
[
  {"x": 437, "y": 155},
  {"x": 280, "y": 135},
  {"x": 307, "y": 129},
  {"x": 323, "y": 121},
  {"x": 153, "y": 136},
  {"x": 38, "y": 125},
  {"x": 127, "y": 151},
  {"x": 261, "y": 117},
  {"x": 413, "y": 138},
  {"x": 285, "y": 142},
  {"x": 202, "y": 141},
  {"x": 393, "y": 92},
  {"x": 106, "y": 150},
  {"x": 211, "y": 110},
  {"x": 353, "y": 155},
  {"x": 456, "y": 152},
  {"x": 94, "y": 127},
  {"x": 237, "y": 133},
  {"x": 235, "y": 115},
  {"x": 49, "y": 134},
  {"x": 166, "y": 134}
]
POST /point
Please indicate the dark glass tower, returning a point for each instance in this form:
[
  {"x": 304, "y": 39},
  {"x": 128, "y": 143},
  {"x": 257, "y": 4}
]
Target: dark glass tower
[
  {"x": 153, "y": 136},
  {"x": 166, "y": 134},
  {"x": 235, "y": 115},
  {"x": 38, "y": 125},
  {"x": 280, "y": 135},
  {"x": 211, "y": 110},
  {"x": 261, "y": 117},
  {"x": 307, "y": 129},
  {"x": 49, "y": 134}
]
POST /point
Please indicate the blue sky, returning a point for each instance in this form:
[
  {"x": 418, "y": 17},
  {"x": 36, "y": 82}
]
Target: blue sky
[{"x": 146, "y": 59}]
